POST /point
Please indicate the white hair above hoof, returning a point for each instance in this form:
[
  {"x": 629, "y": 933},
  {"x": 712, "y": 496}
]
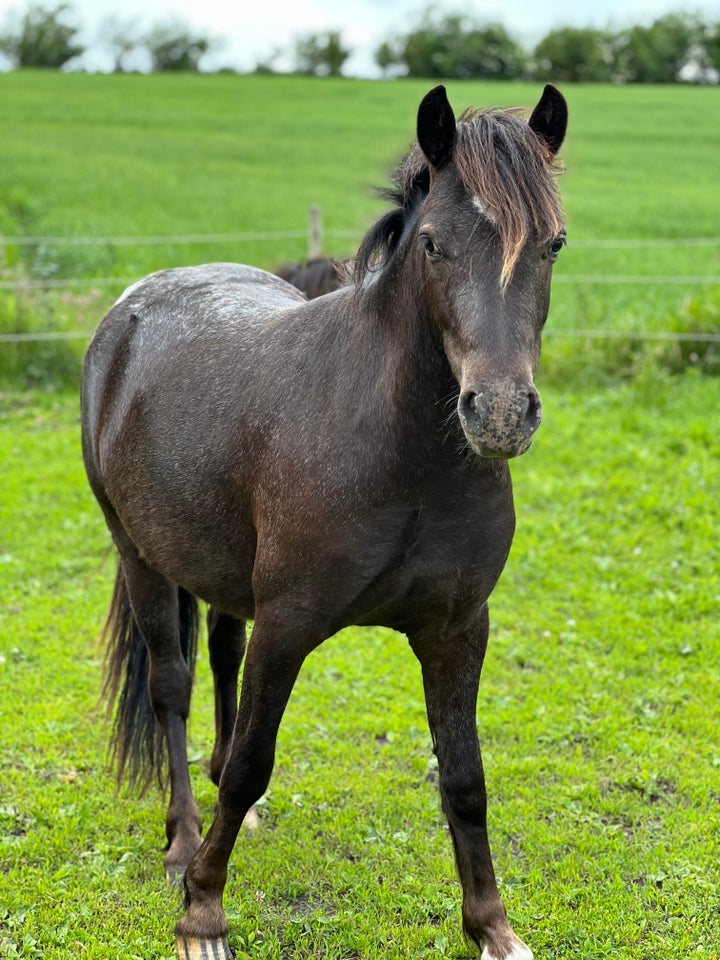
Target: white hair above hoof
[{"x": 518, "y": 951}]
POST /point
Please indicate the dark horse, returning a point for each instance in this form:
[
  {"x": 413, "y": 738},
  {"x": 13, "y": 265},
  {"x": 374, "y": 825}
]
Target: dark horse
[
  {"x": 315, "y": 277},
  {"x": 311, "y": 464}
]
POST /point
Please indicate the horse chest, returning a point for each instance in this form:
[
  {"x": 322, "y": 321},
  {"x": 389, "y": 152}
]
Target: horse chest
[
  {"x": 449, "y": 554},
  {"x": 399, "y": 561}
]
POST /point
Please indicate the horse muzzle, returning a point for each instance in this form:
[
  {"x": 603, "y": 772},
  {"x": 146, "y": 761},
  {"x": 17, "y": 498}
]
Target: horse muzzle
[{"x": 500, "y": 422}]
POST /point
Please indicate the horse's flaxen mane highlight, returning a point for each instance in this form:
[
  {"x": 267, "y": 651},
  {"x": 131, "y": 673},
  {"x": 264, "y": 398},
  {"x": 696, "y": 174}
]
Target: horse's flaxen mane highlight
[{"x": 502, "y": 163}]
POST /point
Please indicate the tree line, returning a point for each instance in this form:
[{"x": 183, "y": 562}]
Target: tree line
[
  {"x": 50, "y": 38},
  {"x": 675, "y": 47}
]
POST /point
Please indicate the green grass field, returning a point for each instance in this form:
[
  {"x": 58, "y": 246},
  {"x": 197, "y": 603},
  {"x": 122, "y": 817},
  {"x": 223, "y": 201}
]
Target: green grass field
[
  {"x": 127, "y": 156},
  {"x": 599, "y": 705},
  {"x": 598, "y": 713}
]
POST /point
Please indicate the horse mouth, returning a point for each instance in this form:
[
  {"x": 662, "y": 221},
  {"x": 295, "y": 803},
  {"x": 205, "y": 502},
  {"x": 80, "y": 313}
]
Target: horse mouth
[{"x": 490, "y": 449}]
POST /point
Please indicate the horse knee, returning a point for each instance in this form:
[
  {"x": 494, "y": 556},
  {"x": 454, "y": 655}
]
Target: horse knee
[
  {"x": 463, "y": 796},
  {"x": 246, "y": 776}
]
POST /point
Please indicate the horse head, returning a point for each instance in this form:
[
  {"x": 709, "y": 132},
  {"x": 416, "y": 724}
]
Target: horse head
[{"x": 487, "y": 233}]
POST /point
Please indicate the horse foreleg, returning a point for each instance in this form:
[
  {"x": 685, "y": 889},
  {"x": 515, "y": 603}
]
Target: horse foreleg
[
  {"x": 271, "y": 667},
  {"x": 451, "y": 668}
]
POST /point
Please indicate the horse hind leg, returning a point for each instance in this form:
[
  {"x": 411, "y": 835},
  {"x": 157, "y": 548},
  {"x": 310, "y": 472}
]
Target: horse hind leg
[
  {"x": 226, "y": 642},
  {"x": 152, "y": 631}
]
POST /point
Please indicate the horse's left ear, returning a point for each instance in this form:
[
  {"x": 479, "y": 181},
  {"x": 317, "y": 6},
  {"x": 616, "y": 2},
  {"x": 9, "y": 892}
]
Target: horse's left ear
[
  {"x": 549, "y": 118},
  {"x": 436, "y": 127}
]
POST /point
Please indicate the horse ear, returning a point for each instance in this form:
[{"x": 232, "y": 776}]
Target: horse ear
[
  {"x": 436, "y": 127},
  {"x": 549, "y": 118}
]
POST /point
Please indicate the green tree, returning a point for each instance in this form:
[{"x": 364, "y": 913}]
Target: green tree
[
  {"x": 42, "y": 38},
  {"x": 172, "y": 47},
  {"x": 387, "y": 56},
  {"x": 456, "y": 46},
  {"x": 321, "y": 54},
  {"x": 658, "y": 53},
  {"x": 711, "y": 46},
  {"x": 576, "y": 54},
  {"x": 493, "y": 54}
]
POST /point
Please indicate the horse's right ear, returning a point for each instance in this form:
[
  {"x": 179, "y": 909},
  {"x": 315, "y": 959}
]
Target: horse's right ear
[
  {"x": 549, "y": 118},
  {"x": 436, "y": 131}
]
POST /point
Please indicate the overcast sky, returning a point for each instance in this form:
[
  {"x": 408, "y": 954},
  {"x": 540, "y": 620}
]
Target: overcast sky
[{"x": 251, "y": 30}]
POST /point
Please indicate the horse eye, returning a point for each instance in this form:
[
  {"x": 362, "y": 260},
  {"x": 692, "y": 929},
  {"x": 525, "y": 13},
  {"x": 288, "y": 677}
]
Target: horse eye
[
  {"x": 429, "y": 244},
  {"x": 557, "y": 244}
]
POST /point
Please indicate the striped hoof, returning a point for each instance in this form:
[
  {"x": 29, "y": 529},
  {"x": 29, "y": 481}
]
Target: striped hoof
[{"x": 193, "y": 948}]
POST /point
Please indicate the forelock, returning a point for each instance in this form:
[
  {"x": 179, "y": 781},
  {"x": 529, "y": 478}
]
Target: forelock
[{"x": 510, "y": 173}]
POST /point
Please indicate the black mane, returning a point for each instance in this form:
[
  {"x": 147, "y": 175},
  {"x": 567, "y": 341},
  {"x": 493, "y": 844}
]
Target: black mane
[{"x": 383, "y": 238}]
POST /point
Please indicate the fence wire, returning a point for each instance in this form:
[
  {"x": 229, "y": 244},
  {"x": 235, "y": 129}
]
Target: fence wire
[
  {"x": 73, "y": 283},
  {"x": 22, "y": 285},
  {"x": 252, "y": 236}
]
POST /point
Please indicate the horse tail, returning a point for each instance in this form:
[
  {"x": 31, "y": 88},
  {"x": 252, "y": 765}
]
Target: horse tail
[{"x": 137, "y": 745}]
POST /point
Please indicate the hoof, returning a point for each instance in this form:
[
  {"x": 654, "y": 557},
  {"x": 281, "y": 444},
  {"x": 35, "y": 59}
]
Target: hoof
[
  {"x": 194, "y": 948},
  {"x": 251, "y": 821}
]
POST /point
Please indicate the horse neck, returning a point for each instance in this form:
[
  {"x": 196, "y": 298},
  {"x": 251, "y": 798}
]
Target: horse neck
[{"x": 395, "y": 319}]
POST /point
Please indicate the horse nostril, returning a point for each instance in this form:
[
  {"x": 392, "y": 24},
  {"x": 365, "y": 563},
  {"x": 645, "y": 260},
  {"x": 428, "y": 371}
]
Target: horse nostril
[
  {"x": 469, "y": 405},
  {"x": 533, "y": 411}
]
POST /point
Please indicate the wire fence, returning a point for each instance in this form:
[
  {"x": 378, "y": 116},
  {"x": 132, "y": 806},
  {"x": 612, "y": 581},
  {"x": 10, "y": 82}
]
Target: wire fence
[
  {"x": 298, "y": 234},
  {"x": 314, "y": 234},
  {"x": 635, "y": 335},
  {"x": 74, "y": 283}
]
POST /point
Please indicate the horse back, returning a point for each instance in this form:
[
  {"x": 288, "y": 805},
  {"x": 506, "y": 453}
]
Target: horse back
[{"x": 180, "y": 311}]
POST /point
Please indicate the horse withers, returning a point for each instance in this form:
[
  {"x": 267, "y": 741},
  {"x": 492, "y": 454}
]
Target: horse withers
[{"x": 311, "y": 464}]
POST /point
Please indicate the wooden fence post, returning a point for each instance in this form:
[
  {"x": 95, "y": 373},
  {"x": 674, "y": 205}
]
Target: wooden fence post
[{"x": 315, "y": 243}]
